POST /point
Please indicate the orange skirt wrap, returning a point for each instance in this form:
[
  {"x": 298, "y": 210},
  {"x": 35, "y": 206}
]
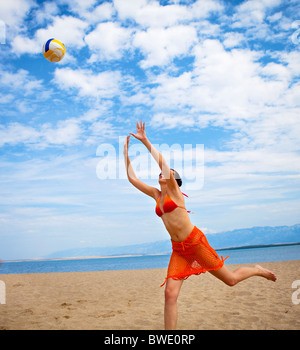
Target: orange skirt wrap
[{"x": 193, "y": 256}]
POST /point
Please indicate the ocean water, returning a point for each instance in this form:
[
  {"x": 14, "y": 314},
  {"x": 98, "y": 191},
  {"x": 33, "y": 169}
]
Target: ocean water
[{"x": 237, "y": 256}]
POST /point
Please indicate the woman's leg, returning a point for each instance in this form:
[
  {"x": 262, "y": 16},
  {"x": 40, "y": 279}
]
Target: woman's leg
[
  {"x": 242, "y": 273},
  {"x": 171, "y": 295}
]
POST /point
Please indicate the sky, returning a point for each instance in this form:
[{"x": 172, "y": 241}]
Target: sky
[{"x": 216, "y": 82}]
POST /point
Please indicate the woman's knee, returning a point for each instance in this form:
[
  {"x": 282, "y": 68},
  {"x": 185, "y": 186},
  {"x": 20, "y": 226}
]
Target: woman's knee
[
  {"x": 231, "y": 282},
  {"x": 225, "y": 276},
  {"x": 171, "y": 294}
]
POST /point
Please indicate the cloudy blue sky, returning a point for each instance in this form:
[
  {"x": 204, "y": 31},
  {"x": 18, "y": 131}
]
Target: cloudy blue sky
[{"x": 217, "y": 79}]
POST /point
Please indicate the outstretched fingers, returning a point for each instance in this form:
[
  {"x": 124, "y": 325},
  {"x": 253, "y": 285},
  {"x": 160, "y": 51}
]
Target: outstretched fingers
[
  {"x": 140, "y": 131},
  {"x": 140, "y": 126}
]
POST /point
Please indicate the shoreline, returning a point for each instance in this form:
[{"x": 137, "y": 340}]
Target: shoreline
[
  {"x": 152, "y": 254},
  {"x": 76, "y": 258},
  {"x": 133, "y": 300}
]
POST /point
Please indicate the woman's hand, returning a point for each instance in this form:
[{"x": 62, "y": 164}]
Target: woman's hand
[{"x": 140, "y": 132}]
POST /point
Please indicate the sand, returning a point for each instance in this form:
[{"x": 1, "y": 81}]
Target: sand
[{"x": 133, "y": 300}]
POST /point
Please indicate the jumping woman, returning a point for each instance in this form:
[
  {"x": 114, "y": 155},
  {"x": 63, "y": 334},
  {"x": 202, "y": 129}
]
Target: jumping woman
[{"x": 191, "y": 253}]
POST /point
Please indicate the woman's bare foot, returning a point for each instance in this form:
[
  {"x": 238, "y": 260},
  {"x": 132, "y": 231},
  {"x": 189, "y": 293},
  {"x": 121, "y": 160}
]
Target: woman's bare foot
[{"x": 269, "y": 275}]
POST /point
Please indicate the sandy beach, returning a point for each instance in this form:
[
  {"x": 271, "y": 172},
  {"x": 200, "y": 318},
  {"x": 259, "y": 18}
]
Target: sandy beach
[{"x": 133, "y": 300}]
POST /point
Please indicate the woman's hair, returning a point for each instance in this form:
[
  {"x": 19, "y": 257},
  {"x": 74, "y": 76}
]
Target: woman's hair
[{"x": 177, "y": 178}]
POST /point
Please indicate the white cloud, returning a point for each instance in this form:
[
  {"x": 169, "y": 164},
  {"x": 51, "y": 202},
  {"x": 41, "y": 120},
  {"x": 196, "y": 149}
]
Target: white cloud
[
  {"x": 20, "y": 81},
  {"x": 254, "y": 18},
  {"x": 253, "y": 12},
  {"x": 247, "y": 162},
  {"x": 292, "y": 59},
  {"x": 100, "y": 13},
  {"x": 203, "y": 8},
  {"x": 233, "y": 90},
  {"x": 233, "y": 39},
  {"x": 219, "y": 76},
  {"x": 14, "y": 12},
  {"x": 79, "y": 7},
  {"x": 46, "y": 12},
  {"x": 6, "y": 98},
  {"x": 169, "y": 121},
  {"x": 276, "y": 71},
  {"x": 66, "y": 132},
  {"x": 22, "y": 44},
  {"x": 149, "y": 13},
  {"x": 101, "y": 130},
  {"x": 89, "y": 10},
  {"x": 274, "y": 18},
  {"x": 67, "y": 29},
  {"x": 160, "y": 46},
  {"x": 108, "y": 40},
  {"x": 88, "y": 83},
  {"x": 86, "y": 130},
  {"x": 276, "y": 130},
  {"x": 16, "y": 133}
]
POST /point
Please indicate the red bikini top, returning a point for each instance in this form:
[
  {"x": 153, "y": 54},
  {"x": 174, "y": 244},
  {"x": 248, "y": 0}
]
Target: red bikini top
[{"x": 168, "y": 206}]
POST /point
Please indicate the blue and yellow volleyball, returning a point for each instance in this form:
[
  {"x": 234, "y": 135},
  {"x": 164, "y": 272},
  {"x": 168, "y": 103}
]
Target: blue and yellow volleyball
[{"x": 54, "y": 50}]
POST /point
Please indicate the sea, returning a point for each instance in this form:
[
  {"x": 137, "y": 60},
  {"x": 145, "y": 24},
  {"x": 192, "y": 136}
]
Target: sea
[{"x": 236, "y": 256}]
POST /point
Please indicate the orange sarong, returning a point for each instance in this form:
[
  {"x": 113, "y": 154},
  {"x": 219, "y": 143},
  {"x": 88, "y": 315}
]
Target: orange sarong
[{"x": 193, "y": 256}]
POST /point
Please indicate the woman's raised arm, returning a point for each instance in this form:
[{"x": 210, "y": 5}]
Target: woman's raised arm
[
  {"x": 165, "y": 169},
  {"x": 140, "y": 185}
]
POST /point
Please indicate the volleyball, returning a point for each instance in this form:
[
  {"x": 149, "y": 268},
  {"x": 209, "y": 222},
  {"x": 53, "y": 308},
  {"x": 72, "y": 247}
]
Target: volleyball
[{"x": 54, "y": 50}]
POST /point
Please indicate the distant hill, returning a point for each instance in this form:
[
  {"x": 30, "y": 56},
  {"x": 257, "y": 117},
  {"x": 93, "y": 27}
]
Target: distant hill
[
  {"x": 158, "y": 247},
  {"x": 256, "y": 236},
  {"x": 236, "y": 238}
]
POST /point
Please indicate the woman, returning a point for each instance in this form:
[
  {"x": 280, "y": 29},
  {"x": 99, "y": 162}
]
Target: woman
[{"x": 191, "y": 254}]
